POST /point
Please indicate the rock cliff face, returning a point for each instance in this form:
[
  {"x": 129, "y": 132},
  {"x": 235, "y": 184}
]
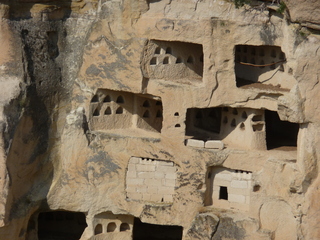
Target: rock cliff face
[{"x": 159, "y": 119}]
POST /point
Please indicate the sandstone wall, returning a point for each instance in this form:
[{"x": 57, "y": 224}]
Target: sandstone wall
[{"x": 123, "y": 119}]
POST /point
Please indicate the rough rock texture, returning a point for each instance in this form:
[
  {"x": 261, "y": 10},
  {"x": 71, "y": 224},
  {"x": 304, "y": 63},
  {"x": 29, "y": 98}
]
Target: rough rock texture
[{"x": 159, "y": 119}]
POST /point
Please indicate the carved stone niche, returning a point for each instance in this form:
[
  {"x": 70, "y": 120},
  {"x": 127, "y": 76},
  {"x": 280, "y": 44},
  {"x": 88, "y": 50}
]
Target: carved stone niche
[
  {"x": 112, "y": 227},
  {"x": 174, "y": 61},
  {"x": 122, "y": 110},
  {"x": 262, "y": 65},
  {"x": 243, "y": 128},
  {"x": 56, "y": 225},
  {"x": 228, "y": 188}
]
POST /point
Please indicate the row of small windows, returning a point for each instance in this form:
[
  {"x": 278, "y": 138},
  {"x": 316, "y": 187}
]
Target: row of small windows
[
  {"x": 170, "y": 60},
  {"x": 107, "y": 111},
  {"x": 111, "y": 227},
  {"x": 119, "y": 110},
  {"x": 146, "y": 103},
  {"x": 95, "y": 98},
  {"x": 259, "y": 52}
]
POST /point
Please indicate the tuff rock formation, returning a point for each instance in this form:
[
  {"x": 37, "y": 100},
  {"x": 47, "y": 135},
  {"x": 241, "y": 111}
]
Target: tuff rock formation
[{"x": 159, "y": 119}]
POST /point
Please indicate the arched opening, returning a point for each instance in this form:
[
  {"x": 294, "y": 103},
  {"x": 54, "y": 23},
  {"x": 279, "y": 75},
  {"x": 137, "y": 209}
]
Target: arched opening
[
  {"x": 235, "y": 111},
  {"x": 107, "y": 99},
  {"x": 157, "y": 51},
  {"x": 124, "y": 227},
  {"x": 111, "y": 227},
  {"x": 166, "y": 60},
  {"x": 168, "y": 50},
  {"x": 107, "y": 111},
  {"x": 146, "y": 114},
  {"x": 120, "y": 99},
  {"x": 96, "y": 112},
  {"x": 146, "y": 103},
  {"x": 179, "y": 60},
  {"x": 153, "y": 61},
  {"x": 244, "y": 115},
  {"x": 95, "y": 99},
  {"x": 98, "y": 229},
  {"x": 56, "y": 225},
  {"x": 119, "y": 110}
]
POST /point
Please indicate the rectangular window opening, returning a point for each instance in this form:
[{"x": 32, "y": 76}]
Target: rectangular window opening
[
  {"x": 223, "y": 193},
  {"x": 281, "y": 135}
]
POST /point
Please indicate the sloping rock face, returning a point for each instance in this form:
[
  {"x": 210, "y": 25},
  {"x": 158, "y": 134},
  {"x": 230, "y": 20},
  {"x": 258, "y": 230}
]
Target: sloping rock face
[{"x": 159, "y": 119}]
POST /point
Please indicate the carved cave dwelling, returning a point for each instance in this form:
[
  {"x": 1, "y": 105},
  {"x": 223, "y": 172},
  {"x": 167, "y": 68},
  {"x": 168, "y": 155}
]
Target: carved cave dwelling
[{"x": 159, "y": 119}]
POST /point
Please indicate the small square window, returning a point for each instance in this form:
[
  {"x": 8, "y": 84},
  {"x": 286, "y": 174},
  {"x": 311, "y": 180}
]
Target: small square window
[{"x": 223, "y": 193}]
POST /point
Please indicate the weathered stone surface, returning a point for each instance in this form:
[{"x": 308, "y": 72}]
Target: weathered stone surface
[
  {"x": 304, "y": 11},
  {"x": 203, "y": 226},
  {"x": 109, "y": 111}
]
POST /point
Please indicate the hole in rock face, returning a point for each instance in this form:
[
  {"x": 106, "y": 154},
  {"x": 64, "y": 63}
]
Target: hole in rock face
[
  {"x": 120, "y": 99},
  {"x": 258, "y": 65},
  {"x": 158, "y": 50},
  {"x": 168, "y": 50},
  {"x": 257, "y": 127},
  {"x": 124, "y": 227},
  {"x": 61, "y": 225},
  {"x": 166, "y": 60},
  {"x": 107, "y": 99},
  {"x": 146, "y": 114},
  {"x": 98, "y": 229},
  {"x": 145, "y": 231},
  {"x": 244, "y": 115},
  {"x": 111, "y": 227},
  {"x": 146, "y": 103},
  {"x": 107, "y": 111},
  {"x": 257, "y": 118},
  {"x": 119, "y": 110},
  {"x": 96, "y": 112},
  {"x": 153, "y": 61},
  {"x": 223, "y": 193},
  {"x": 280, "y": 133},
  {"x": 95, "y": 99},
  {"x": 179, "y": 60},
  {"x": 235, "y": 111},
  {"x": 256, "y": 188}
]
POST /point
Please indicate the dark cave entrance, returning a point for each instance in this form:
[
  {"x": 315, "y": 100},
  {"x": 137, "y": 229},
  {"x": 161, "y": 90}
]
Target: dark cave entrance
[
  {"x": 61, "y": 225},
  {"x": 280, "y": 134},
  {"x": 146, "y": 231}
]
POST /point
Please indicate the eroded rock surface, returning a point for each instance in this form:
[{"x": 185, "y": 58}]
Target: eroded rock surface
[{"x": 159, "y": 119}]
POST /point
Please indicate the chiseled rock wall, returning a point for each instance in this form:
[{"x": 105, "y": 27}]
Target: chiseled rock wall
[{"x": 175, "y": 65}]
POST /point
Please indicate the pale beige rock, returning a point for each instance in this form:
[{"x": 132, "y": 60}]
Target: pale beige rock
[{"x": 179, "y": 113}]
